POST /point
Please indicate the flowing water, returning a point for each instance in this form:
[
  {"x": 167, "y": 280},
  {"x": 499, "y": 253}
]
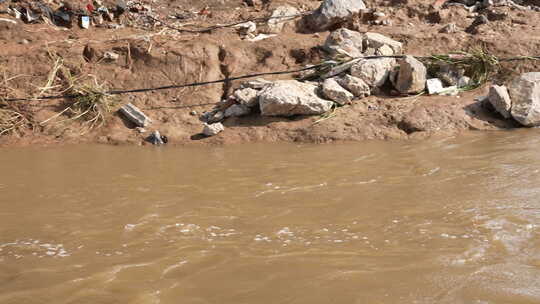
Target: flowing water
[{"x": 439, "y": 221}]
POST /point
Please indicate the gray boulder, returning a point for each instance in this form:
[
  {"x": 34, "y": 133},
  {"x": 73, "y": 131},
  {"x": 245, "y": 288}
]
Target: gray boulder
[
  {"x": 331, "y": 12},
  {"x": 411, "y": 77},
  {"x": 357, "y": 86},
  {"x": 500, "y": 100},
  {"x": 374, "y": 72},
  {"x": 237, "y": 110},
  {"x": 291, "y": 97},
  {"x": 525, "y": 94},
  {"x": 377, "y": 44},
  {"x": 344, "y": 41},
  {"x": 334, "y": 91}
]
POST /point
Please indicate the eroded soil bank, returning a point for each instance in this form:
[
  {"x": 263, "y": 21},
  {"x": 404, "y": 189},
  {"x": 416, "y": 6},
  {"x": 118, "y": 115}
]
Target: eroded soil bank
[{"x": 156, "y": 56}]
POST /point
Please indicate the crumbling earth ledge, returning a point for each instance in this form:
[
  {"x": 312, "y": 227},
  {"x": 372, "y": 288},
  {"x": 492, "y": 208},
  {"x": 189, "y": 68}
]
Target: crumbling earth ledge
[{"x": 151, "y": 59}]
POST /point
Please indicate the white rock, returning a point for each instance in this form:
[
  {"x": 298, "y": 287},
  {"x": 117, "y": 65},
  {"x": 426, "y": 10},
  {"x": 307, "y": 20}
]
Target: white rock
[
  {"x": 355, "y": 85},
  {"x": 525, "y": 94},
  {"x": 332, "y": 12},
  {"x": 280, "y": 16},
  {"x": 291, "y": 97},
  {"x": 135, "y": 115},
  {"x": 237, "y": 110},
  {"x": 334, "y": 91},
  {"x": 385, "y": 50},
  {"x": 434, "y": 86},
  {"x": 374, "y": 42},
  {"x": 500, "y": 100},
  {"x": 374, "y": 72},
  {"x": 411, "y": 77},
  {"x": 344, "y": 41},
  {"x": 247, "y": 97},
  {"x": 213, "y": 129}
]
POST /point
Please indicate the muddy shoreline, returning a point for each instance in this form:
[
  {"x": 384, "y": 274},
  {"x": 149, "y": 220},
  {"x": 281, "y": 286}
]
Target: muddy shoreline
[{"x": 153, "y": 58}]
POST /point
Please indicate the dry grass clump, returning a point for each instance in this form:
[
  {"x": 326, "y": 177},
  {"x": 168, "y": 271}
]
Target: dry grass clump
[
  {"x": 478, "y": 64},
  {"x": 12, "y": 119},
  {"x": 88, "y": 101},
  {"x": 15, "y": 118}
]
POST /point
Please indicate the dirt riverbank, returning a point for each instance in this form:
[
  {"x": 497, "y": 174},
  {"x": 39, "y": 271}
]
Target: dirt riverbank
[{"x": 154, "y": 57}]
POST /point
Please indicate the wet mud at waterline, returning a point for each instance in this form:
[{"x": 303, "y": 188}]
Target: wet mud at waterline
[{"x": 451, "y": 220}]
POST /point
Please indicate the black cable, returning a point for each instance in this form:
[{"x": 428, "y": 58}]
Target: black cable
[{"x": 196, "y": 84}]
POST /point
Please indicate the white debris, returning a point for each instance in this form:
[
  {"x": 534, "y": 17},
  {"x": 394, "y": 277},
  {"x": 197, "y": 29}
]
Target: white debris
[{"x": 434, "y": 86}]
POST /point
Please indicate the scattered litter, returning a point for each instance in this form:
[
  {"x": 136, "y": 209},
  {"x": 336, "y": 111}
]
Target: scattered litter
[
  {"x": 85, "y": 22},
  {"x": 157, "y": 139},
  {"x": 449, "y": 91},
  {"x": 434, "y": 86},
  {"x": 261, "y": 37},
  {"x": 247, "y": 29},
  {"x": 111, "y": 56}
]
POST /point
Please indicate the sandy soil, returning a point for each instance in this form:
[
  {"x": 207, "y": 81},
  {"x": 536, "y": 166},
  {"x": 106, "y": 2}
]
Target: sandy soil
[{"x": 150, "y": 57}]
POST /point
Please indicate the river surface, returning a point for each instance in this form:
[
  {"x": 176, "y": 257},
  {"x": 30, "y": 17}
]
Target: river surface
[{"x": 439, "y": 221}]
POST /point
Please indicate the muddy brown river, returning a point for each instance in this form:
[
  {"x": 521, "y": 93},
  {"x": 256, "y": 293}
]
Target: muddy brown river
[{"x": 439, "y": 221}]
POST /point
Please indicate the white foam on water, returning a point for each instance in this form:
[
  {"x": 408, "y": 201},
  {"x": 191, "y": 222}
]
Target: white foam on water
[{"x": 33, "y": 248}]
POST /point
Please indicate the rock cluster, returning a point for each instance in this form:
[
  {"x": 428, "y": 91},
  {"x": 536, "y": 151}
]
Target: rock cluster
[
  {"x": 521, "y": 101},
  {"x": 354, "y": 44},
  {"x": 353, "y": 80}
]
